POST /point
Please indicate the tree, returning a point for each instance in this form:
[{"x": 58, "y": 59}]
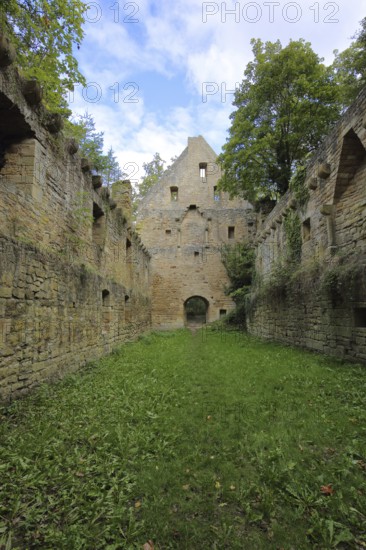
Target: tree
[
  {"x": 91, "y": 145},
  {"x": 91, "y": 142},
  {"x": 284, "y": 108},
  {"x": 44, "y": 33},
  {"x": 350, "y": 67},
  {"x": 112, "y": 171},
  {"x": 153, "y": 171}
]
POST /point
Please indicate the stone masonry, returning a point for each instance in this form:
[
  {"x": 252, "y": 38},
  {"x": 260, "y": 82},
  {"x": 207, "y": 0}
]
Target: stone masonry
[
  {"x": 184, "y": 221},
  {"x": 74, "y": 275},
  {"x": 325, "y": 309},
  {"x": 76, "y": 279}
]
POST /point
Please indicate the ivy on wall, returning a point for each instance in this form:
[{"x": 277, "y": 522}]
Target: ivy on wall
[
  {"x": 238, "y": 260},
  {"x": 292, "y": 225},
  {"x": 297, "y": 185}
]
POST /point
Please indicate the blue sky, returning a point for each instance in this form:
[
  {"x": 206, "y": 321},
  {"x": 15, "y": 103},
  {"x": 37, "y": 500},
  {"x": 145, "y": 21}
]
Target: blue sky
[{"x": 159, "y": 72}]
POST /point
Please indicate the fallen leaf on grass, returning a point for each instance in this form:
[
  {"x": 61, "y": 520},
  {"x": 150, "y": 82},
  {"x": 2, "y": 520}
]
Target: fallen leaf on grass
[
  {"x": 138, "y": 504},
  {"x": 327, "y": 490},
  {"x": 185, "y": 487},
  {"x": 149, "y": 545}
]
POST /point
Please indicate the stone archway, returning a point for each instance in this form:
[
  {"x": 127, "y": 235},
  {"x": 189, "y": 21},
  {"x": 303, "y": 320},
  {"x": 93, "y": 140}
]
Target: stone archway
[{"x": 195, "y": 310}]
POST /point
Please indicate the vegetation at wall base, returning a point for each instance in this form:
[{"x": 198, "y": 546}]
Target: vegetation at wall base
[
  {"x": 215, "y": 440},
  {"x": 338, "y": 282},
  {"x": 344, "y": 281},
  {"x": 238, "y": 260}
]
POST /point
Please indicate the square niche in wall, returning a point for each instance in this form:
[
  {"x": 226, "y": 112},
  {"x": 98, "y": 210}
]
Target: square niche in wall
[
  {"x": 359, "y": 315},
  {"x": 306, "y": 230}
]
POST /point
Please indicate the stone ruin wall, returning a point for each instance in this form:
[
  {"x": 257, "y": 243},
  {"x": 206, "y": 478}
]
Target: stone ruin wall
[
  {"x": 312, "y": 314},
  {"x": 74, "y": 276},
  {"x": 185, "y": 236},
  {"x": 76, "y": 280}
]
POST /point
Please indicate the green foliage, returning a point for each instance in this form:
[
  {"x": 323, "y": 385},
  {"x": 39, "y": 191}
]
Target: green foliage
[
  {"x": 91, "y": 143},
  {"x": 45, "y": 33},
  {"x": 238, "y": 316},
  {"x": 153, "y": 172},
  {"x": 112, "y": 171},
  {"x": 343, "y": 279},
  {"x": 196, "y": 306},
  {"x": 190, "y": 442},
  {"x": 292, "y": 225},
  {"x": 297, "y": 184},
  {"x": 277, "y": 285},
  {"x": 284, "y": 108},
  {"x": 238, "y": 260},
  {"x": 349, "y": 67}
]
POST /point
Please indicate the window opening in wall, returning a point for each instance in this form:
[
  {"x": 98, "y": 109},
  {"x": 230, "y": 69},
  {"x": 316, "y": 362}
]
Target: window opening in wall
[
  {"x": 192, "y": 207},
  {"x": 222, "y": 312},
  {"x": 360, "y": 317},
  {"x": 174, "y": 193},
  {"x": 106, "y": 297},
  {"x": 231, "y": 232},
  {"x": 203, "y": 170},
  {"x": 98, "y": 224},
  {"x": 196, "y": 253},
  {"x": 306, "y": 230},
  {"x": 168, "y": 231},
  {"x": 128, "y": 250},
  {"x": 2, "y": 153},
  {"x": 216, "y": 194}
]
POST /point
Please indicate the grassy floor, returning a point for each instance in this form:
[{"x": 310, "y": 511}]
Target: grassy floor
[{"x": 209, "y": 441}]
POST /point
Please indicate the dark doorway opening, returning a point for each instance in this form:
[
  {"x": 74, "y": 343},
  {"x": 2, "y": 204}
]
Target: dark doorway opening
[{"x": 195, "y": 309}]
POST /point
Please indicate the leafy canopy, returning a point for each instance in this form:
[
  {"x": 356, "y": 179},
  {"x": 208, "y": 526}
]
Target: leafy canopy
[
  {"x": 44, "y": 33},
  {"x": 284, "y": 107},
  {"x": 350, "y": 67},
  {"x": 91, "y": 144},
  {"x": 153, "y": 172}
]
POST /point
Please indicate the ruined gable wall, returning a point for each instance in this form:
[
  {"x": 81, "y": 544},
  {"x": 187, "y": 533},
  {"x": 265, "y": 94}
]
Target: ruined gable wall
[
  {"x": 323, "y": 307},
  {"x": 185, "y": 236},
  {"x": 73, "y": 283}
]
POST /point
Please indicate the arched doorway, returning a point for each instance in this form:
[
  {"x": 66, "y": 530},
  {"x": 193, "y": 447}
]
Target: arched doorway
[{"x": 195, "y": 310}]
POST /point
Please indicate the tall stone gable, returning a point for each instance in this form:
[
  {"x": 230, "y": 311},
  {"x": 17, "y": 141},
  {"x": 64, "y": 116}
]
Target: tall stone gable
[{"x": 184, "y": 221}]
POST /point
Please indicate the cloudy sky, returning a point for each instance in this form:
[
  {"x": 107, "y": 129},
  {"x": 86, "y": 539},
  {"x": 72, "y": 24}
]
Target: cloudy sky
[{"x": 160, "y": 71}]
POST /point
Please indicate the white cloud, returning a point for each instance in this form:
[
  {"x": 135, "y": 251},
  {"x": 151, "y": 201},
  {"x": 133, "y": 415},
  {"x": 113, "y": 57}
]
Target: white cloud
[{"x": 171, "y": 39}]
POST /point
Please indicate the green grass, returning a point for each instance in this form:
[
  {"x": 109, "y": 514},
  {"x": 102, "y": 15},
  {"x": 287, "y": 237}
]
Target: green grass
[{"x": 211, "y": 441}]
